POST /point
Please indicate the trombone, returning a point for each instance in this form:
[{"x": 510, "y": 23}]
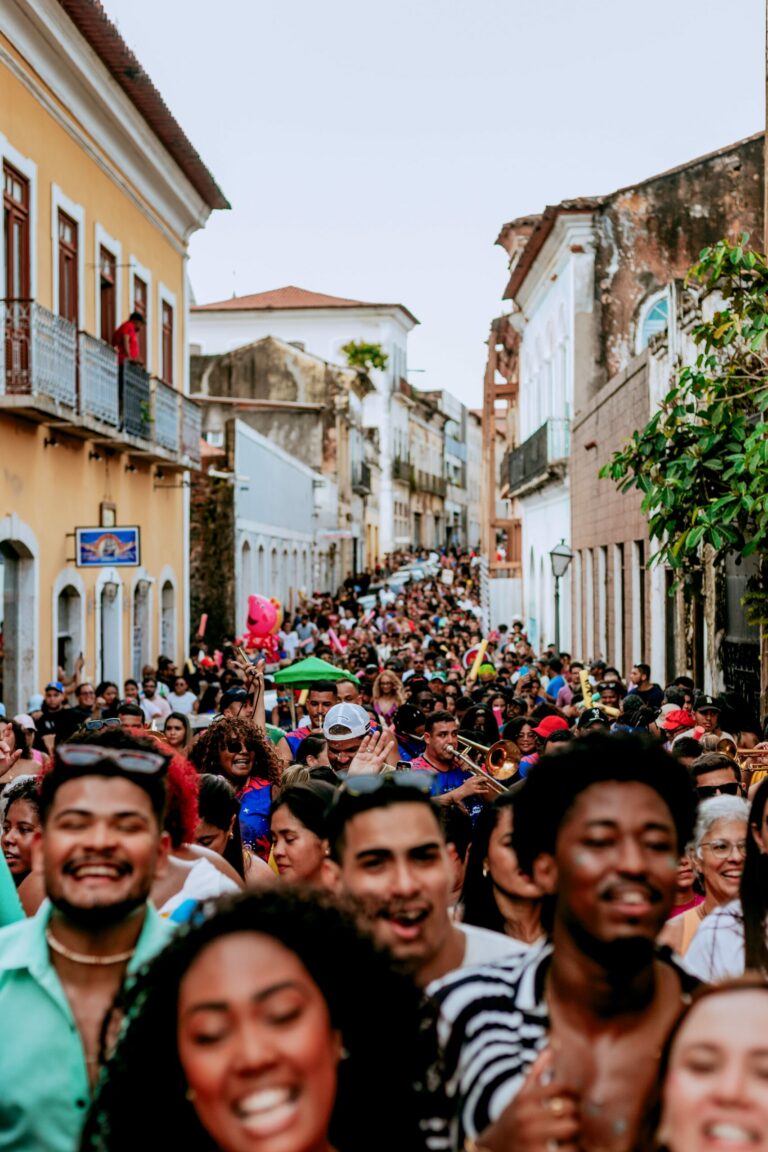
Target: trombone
[{"x": 500, "y": 761}]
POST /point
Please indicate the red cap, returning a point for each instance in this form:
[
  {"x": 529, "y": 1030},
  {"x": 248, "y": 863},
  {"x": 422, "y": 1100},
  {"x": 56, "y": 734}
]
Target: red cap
[
  {"x": 549, "y": 725},
  {"x": 678, "y": 719}
]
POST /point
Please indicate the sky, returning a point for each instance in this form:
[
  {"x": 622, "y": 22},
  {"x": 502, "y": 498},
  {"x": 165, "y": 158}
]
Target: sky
[{"x": 374, "y": 150}]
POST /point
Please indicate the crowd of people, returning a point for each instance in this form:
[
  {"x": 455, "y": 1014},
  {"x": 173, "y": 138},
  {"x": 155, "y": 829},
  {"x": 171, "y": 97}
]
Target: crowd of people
[{"x": 449, "y": 893}]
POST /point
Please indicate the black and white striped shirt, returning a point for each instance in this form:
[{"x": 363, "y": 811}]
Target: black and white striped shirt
[{"x": 492, "y": 1023}]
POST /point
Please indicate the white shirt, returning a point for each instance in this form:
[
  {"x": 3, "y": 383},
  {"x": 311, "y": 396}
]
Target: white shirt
[
  {"x": 717, "y": 950},
  {"x": 289, "y": 642},
  {"x": 482, "y": 945},
  {"x": 183, "y": 704},
  {"x": 154, "y": 709}
]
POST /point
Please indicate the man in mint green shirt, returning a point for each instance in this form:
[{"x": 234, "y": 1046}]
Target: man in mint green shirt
[{"x": 101, "y": 846}]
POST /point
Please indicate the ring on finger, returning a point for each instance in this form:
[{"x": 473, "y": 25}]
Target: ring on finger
[{"x": 556, "y": 1105}]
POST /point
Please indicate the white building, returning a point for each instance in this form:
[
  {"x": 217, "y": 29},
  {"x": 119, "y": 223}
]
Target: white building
[
  {"x": 552, "y": 286},
  {"x": 322, "y": 325}
]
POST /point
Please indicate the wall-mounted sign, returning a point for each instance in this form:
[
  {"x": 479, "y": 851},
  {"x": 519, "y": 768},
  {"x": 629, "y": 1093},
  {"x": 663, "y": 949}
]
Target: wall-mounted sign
[{"x": 107, "y": 547}]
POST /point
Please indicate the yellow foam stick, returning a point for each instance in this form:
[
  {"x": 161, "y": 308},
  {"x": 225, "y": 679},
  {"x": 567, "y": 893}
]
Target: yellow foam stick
[
  {"x": 303, "y": 696},
  {"x": 478, "y": 660}
]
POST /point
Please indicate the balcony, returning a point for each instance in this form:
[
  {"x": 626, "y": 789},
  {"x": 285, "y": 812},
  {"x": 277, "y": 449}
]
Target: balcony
[
  {"x": 428, "y": 482},
  {"x": 38, "y": 358},
  {"x": 54, "y": 375},
  {"x": 401, "y": 470},
  {"x": 361, "y": 478},
  {"x": 541, "y": 458}
]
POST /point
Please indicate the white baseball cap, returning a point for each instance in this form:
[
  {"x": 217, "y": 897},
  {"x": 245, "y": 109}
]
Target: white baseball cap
[{"x": 345, "y": 722}]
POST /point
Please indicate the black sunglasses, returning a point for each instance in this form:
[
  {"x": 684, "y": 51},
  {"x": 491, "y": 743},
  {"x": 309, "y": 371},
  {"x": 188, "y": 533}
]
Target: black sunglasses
[
  {"x": 129, "y": 759},
  {"x": 240, "y": 746},
  {"x": 366, "y": 785},
  {"x": 706, "y": 791}
]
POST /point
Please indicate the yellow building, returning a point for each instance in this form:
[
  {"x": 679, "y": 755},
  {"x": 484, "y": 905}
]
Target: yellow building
[{"x": 101, "y": 192}]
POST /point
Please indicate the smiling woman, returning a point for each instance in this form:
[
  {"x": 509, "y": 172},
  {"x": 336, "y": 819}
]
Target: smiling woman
[{"x": 245, "y": 1039}]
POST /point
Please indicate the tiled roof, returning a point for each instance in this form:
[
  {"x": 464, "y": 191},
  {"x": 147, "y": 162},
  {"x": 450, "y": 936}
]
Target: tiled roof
[
  {"x": 97, "y": 29},
  {"x": 288, "y": 298}
]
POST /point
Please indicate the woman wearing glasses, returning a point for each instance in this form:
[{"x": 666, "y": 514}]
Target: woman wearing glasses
[
  {"x": 733, "y": 939},
  {"x": 717, "y": 853},
  {"x": 272, "y": 1025},
  {"x": 241, "y": 752}
]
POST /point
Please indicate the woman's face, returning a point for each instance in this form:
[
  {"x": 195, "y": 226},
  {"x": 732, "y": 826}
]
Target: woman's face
[
  {"x": 236, "y": 757},
  {"x": 257, "y": 1048},
  {"x": 19, "y": 827},
  {"x": 110, "y": 695},
  {"x": 722, "y": 867},
  {"x": 716, "y": 1090},
  {"x": 213, "y": 837},
  {"x": 298, "y": 853},
  {"x": 131, "y": 692},
  {"x": 175, "y": 732},
  {"x": 502, "y": 862},
  {"x": 526, "y": 739},
  {"x": 386, "y": 686},
  {"x": 685, "y": 876}
]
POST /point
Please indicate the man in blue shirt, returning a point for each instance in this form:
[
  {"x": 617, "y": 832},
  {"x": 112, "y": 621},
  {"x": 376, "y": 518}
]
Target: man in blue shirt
[
  {"x": 100, "y": 847},
  {"x": 453, "y": 783}
]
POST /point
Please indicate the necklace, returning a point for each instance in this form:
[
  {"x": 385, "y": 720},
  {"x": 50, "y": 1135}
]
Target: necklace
[{"x": 84, "y": 957}]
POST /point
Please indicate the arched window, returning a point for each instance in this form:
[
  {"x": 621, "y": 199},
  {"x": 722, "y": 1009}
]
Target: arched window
[
  {"x": 246, "y": 578},
  {"x": 69, "y": 637},
  {"x": 168, "y": 620},
  {"x": 110, "y": 626},
  {"x": 141, "y": 637},
  {"x": 654, "y": 318}
]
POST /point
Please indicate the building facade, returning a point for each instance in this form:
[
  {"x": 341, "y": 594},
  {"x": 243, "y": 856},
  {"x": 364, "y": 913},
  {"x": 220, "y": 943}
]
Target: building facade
[
  {"x": 101, "y": 193},
  {"x": 323, "y": 324}
]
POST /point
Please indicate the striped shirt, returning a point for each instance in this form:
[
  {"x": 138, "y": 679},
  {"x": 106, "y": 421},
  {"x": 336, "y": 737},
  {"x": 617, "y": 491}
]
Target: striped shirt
[{"x": 492, "y": 1022}]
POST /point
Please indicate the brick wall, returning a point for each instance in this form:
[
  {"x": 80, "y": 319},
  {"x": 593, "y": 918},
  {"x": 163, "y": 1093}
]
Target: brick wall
[{"x": 602, "y": 517}]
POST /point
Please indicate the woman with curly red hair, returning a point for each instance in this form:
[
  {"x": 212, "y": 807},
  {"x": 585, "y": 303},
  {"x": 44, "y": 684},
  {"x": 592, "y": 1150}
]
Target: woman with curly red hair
[{"x": 241, "y": 752}]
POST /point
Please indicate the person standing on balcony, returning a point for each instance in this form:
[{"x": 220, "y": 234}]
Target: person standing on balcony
[{"x": 126, "y": 339}]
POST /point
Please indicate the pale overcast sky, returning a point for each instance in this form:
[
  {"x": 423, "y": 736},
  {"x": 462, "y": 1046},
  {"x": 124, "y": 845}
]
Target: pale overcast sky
[{"x": 374, "y": 150}]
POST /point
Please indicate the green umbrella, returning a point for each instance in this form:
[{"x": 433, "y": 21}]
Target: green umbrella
[{"x": 304, "y": 673}]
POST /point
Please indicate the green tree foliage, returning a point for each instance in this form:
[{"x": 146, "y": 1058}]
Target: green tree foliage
[
  {"x": 702, "y": 460},
  {"x": 365, "y": 356}
]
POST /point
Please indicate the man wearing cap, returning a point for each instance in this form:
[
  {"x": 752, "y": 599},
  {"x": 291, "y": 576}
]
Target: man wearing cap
[
  {"x": 320, "y": 697},
  {"x": 353, "y": 746},
  {"x": 549, "y": 725},
  {"x": 57, "y": 722},
  {"x": 592, "y": 720},
  {"x": 100, "y": 848},
  {"x": 706, "y": 713},
  {"x": 674, "y": 723},
  {"x": 408, "y": 723}
]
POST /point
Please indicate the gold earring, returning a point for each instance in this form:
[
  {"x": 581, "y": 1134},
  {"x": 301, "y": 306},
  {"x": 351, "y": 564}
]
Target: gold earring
[{"x": 486, "y": 870}]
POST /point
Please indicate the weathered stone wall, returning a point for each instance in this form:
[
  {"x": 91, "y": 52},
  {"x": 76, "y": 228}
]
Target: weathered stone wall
[{"x": 211, "y": 555}]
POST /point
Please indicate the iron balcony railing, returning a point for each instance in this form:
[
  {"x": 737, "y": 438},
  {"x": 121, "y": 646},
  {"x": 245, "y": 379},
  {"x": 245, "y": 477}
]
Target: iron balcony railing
[
  {"x": 167, "y": 416},
  {"x": 137, "y": 417},
  {"x": 39, "y": 353},
  {"x": 428, "y": 482},
  {"x": 99, "y": 380},
  {"x": 537, "y": 458},
  {"x": 361, "y": 478},
  {"x": 401, "y": 469},
  {"x": 191, "y": 431}
]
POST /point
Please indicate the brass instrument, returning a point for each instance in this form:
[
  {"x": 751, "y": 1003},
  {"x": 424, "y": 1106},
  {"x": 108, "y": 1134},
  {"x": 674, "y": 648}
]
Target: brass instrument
[
  {"x": 753, "y": 763},
  {"x": 473, "y": 768},
  {"x": 501, "y": 760}
]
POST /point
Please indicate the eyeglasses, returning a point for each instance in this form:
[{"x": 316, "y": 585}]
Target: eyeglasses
[
  {"x": 97, "y": 725},
  {"x": 721, "y": 849},
  {"x": 240, "y": 746},
  {"x": 706, "y": 791},
  {"x": 366, "y": 785},
  {"x": 129, "y": 759}
]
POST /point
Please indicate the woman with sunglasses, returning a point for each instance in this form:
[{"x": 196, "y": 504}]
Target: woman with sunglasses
[
  {"x": 522, "y": 732},
  {"x": 717, "y": 854},
  {"x": 241, "y": 752},
  {"x": 734, "y": 939},
  {"x": 271, "y": 1025}
]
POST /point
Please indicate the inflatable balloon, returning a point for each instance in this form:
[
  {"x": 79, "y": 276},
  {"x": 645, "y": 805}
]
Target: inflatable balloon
[{"x": 262, "y": 626}]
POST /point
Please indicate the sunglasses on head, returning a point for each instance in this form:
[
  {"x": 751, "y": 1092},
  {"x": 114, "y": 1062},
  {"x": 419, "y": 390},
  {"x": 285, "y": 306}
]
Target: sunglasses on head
[
  {"x": 706, "y": 791},
  {"x": 129, "y": 759},
  {"x": 240, "y": 746},
  {"x": 366, "y": 785}
]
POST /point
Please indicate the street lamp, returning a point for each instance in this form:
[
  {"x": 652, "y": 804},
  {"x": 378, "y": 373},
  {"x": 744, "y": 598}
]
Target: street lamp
[{"x": 560, "y": 557}]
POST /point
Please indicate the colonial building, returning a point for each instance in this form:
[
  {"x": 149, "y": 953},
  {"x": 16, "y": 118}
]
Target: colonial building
[
  {"x": 101, "y": 192},
  {"x": 312, "y": 411},
  {"x": 322, "y": 325},
  {"x": 603, "y": 324}
]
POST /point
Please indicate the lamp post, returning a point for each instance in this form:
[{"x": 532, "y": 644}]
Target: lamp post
[{"x": 560, "y": 557}]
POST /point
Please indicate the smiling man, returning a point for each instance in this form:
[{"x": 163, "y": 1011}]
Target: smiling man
[
  {"x": 602, "y": 836},
  {"x": 100, "y": 847},
  {"x": 390, "y": 858}
]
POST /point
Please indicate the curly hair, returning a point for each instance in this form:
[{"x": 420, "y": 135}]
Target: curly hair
[
  {"x": 206, "y": 749},
  {"x": 181, "y": 814},
  {"x": 376, "y": 1010}
]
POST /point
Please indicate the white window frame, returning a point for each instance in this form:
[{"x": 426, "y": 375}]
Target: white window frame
[
  {"x": 168, "y": 576},
  {"x": 618, "y": 607},
  {"x": 77, "y": 213},
  {"x": 602, "y": 605},
  {"x": 589, "y": 607},
  {"x": 28, "y": 169},
  {"x": 66, "y": 578},
  {"x": 577, "y": 640},
  {"x": 139, "y": 575},
  {"x": 102, "y": 239},
  {"x": 145, "y": 274},
  {"x": 165, "y": 296},
  {"x": 636, "y": 583},
  {"x": 108, "y": 576},
  {"x": 642, "y": 316}
]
